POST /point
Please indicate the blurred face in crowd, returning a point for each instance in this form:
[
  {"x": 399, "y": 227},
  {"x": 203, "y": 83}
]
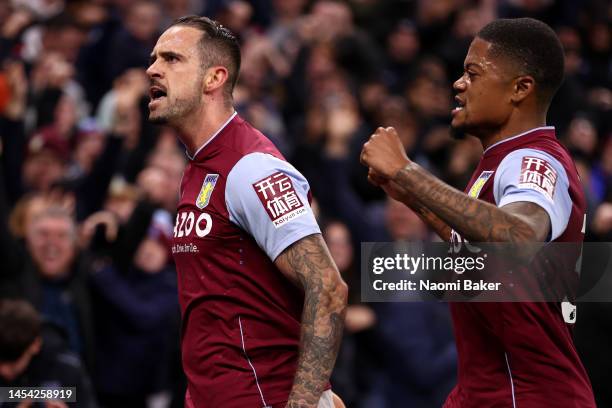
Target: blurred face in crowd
[
  {"x": 42, "y": 169},
  {"x": 582, "y": 135},
  {"x": 143, "y": 20},
  {"x": 483, "y": 92},
  {"x": 334, "y": 17},
  {"x": 65, "y": 114},
  {"x": 468, "y": 23},
  {"x": 288, "y": 8},
  {"x": 51, "y": 242},
  {"x": 570, "y": 39},
  {"x": 177, "y": 76},
  {"x": 402, "y": 223},
  {"x": 428, "y": 93},
  {"x": 236, "y": 16},
  {"x": 403, "y": 43},
  {"x": 66, "y": 41},
  {"x": 161, "y": 179},
  {"x": 151, "y": 256},
  {"x": 89, "y": 147},
  {"x": 10, "y": 370},
  {"x": 338, "y": 239},
  {"x": 26, "y": 209}
]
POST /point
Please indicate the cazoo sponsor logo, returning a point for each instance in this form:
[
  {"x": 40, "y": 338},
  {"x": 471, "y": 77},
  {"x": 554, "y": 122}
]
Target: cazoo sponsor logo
[{"x": 187, "y": 223}]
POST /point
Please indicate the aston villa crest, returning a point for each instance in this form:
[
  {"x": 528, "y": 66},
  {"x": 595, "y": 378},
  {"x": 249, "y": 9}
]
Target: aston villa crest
[
  {"x": 479, "y": 184},
  {"x": 206, "y": 191}
]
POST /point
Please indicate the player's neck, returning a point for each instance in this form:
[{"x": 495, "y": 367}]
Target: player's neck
[
  {"x": 205, "y": 123},
  {"x": 515, "y": 126}
]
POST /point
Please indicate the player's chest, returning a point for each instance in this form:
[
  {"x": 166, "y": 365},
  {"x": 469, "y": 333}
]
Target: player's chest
[{"x": 202, "y": 213}]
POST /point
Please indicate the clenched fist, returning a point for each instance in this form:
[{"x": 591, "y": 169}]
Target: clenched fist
[{"x": 384, "y": 153}]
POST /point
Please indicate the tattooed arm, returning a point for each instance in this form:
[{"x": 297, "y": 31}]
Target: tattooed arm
[
  {"x": 476, "y": 220},
  {"x": 309, "y": 265},
  {"x": 399, "y": 193}
]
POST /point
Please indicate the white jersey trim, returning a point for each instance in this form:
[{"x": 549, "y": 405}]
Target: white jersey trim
[
  {"x": 251, "y": 364},
  {"x": 519, "y": 135},
  {"x": 211, "y": 138},
  {"x": 511, "y": 381}
]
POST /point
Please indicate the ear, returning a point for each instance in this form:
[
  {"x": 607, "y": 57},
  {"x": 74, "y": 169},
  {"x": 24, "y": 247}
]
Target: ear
[
  {"x": 215, "y": 78},
  {"x": 523, "y": 87}
]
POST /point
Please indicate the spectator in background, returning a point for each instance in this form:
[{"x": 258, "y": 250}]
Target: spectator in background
[
  {"x": 89, "y": 143},
  {"x": 571, "y": 96},
  {"x": 132, "y": 44},
  {"x": 318, "y": 77},
  {"x": 33, "y": 353},
  {"x": 45, "y": 162},
  {"x": 134, "y": 310},
  {"x": 236, "y": 16},
  {"x": 467, "y": 23},
  {"x": 50, "y": 274},
  {"x": 403, "y": 46},
  {"x": 414, "y": 341}
]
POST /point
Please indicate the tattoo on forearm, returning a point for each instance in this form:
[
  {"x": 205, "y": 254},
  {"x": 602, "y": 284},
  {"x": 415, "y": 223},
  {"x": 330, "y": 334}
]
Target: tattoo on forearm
[
  {"x": 438, "y": 225},
  {"x": 476, "y": 220},
  {"x": 308, "y": 263}
]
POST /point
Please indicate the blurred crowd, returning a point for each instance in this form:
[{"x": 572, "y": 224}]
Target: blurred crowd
[{"x": 88, "y": 187}]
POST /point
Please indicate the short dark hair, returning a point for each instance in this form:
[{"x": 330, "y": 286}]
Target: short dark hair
[
  {"x": 218, "y": 45},
  {"x": 533, "y": 47},
  {"x": 20, "y": 325}
]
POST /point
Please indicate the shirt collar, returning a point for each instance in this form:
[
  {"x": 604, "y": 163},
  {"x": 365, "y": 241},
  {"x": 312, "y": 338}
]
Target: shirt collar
[
  {"x": 517, "y": 136},
  {"x": 223, "y": 126}
]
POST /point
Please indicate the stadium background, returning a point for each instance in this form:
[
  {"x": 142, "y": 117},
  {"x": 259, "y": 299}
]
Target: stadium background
[{"x": 317, "y": 78}]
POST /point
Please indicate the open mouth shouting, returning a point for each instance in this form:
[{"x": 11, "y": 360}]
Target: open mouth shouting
[
  {"x": 156, "y": 94},
  {"x": 460, "y": 104}
]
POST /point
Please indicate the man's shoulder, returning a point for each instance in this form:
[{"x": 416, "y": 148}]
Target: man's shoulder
[{"x": 244, "y": 139}]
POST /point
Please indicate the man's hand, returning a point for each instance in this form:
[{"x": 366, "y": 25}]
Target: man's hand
[
  {"x": 309, "y": 265},
  {"x": 15, "y": 23},
  {"x": 384, "y": 153},
  {"x": 106, "y": 218},
  {"x": 390, "y": 187}
]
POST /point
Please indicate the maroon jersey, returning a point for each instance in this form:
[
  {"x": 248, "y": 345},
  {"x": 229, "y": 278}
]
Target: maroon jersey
[
  {"x": 522, "y": 354},
  {"x": 241, "y": 204}
]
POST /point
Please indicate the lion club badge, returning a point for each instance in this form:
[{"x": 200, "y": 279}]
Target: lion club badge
[
  {"x": 479, "y": 184},
  {"x": 206, "y": 191}
]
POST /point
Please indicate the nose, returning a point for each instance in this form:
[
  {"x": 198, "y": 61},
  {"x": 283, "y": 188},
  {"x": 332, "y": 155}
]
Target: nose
[
  {"x": 153, "y": 71},
  {"x": 459, "y": 84}
]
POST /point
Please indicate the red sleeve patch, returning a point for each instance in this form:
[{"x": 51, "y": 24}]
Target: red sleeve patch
[
  {"x": 537, "y": 174},
  {"x": 279, "y": 198}
]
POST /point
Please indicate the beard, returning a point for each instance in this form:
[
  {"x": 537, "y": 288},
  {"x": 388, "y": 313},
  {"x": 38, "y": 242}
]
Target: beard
[
  {"x": 158, "y": 120},
  {"x": 175, "y": 111}
]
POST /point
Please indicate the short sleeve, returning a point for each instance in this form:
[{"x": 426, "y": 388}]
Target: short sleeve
[
  {"x": 268, "y": 198},
  {"x": 537, "y": 177}
]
